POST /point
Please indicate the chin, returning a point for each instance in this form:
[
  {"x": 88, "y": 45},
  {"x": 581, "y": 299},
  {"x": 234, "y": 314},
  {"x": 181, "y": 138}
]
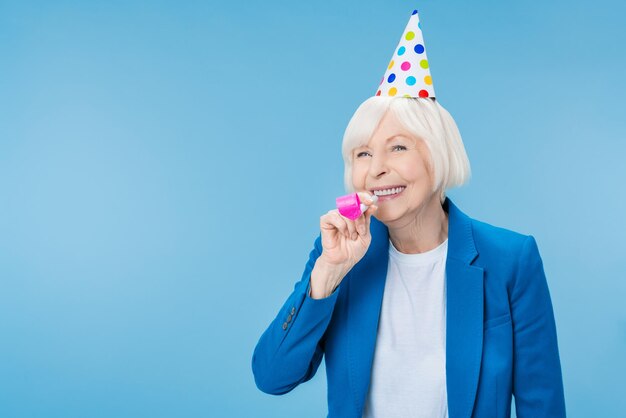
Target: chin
[{"x": 388, "y": 216}]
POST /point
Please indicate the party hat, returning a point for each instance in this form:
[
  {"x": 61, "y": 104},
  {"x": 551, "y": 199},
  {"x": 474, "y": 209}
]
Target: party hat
[{"x": 408, "y": 73}]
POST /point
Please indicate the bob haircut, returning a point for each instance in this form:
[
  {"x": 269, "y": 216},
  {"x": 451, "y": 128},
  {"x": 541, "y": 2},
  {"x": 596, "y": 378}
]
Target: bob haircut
[{"x": 426, "y": 119}]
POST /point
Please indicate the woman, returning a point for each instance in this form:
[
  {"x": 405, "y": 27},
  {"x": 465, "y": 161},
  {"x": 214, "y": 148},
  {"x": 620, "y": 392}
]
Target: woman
[{"x": 419, "y": 310}]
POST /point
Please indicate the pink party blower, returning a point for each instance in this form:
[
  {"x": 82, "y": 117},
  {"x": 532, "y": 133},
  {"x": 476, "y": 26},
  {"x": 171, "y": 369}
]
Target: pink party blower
[{"x": 350, "y": 205}]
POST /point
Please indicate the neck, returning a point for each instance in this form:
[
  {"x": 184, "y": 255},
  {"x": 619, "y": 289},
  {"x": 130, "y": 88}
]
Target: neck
[{"x": 425, "y": 231}]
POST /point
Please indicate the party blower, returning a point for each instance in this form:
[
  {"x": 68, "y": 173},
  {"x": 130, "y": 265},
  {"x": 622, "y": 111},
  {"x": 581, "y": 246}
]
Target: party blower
[{"x": 350, "y": 205}]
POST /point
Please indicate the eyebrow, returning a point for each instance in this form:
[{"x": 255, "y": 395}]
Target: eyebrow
[
  {"x": 387, "y": 140},
  {"x": 395, "y": 136}
]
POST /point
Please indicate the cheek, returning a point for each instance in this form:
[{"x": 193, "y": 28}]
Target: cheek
[
  {"x": 417, "y": 174},
  {"x": 358, "y": 173},
  {"x": 419, "y": 171},
  {"x": 420, "y": 181}
]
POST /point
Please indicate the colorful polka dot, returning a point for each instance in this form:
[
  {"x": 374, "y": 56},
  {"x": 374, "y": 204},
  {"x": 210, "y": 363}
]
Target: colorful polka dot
[
  {"x": 381, "y": 80},
  {"x": 411, "y": 77}
]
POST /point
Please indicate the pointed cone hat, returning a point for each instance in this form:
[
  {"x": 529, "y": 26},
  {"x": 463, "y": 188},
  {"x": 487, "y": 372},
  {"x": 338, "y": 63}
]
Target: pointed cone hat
[{"x": 408, "y": 72}]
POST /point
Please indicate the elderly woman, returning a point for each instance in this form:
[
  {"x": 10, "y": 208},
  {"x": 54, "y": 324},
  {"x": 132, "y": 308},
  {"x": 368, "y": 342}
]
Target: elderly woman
[{"x": 418, "y": 309}]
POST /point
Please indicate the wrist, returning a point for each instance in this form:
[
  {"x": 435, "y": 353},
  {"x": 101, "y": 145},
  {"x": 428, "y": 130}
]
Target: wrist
[
  {"x": 332, "y": 270},
  {"x": 325, "y": 278}
]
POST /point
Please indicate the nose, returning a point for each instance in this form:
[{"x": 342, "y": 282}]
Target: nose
[{"x": 378, "y": 167}]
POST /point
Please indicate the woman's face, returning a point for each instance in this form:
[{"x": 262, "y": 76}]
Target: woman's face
[{"x": 394, "y": 159}]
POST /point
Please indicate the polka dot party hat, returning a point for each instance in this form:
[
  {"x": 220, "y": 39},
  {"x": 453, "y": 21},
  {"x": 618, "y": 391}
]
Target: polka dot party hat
[{"x": 408, "y": 73}]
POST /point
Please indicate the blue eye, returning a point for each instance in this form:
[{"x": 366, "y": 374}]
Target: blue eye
[{"x": 399, "y": 147}]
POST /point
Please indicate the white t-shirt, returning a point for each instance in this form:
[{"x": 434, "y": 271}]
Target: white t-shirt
[{"x": 409, "y": 368}]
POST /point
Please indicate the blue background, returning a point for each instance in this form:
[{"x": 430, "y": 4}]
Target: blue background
[{"x": 163, "y": 168}]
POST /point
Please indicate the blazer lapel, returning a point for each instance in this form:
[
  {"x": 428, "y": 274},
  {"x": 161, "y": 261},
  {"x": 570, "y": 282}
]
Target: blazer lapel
[
  {"x": 464, "y": 310},
  {"x": 464, "y": 323},
  {"x": 365, "y": 294}
]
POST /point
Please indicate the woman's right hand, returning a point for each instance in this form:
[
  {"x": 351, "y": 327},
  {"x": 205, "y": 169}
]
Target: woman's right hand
[{"x": 344, "y": 243}]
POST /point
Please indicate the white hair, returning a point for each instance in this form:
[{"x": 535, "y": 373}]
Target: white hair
[{"x": 425, "y": 118}]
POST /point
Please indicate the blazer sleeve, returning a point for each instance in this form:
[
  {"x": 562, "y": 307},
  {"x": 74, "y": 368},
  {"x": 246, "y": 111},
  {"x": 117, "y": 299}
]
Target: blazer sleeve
[
  {"x": 537, "y": 379},
  {"x": 290, "y": 350}
]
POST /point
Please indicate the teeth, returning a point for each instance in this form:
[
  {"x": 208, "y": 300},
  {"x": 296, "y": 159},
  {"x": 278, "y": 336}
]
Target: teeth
[{"x": 387, "y": 192}]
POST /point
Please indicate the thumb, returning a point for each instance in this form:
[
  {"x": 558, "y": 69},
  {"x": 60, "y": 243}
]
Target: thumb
[{"x": 368, "y": 216}]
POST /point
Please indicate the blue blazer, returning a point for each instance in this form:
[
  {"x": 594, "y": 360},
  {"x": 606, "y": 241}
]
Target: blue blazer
[{"x": 500, "y": 331}]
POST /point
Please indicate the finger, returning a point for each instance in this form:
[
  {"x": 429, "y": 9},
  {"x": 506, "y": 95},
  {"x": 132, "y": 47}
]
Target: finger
[
  {"x": 371, "y": 210},
  {"x": 368, "y": 216},
  {"x": 367, "y": 199},
  {"x": 353, "y": 234},
  {"x": 344, "y": 224},
  {"x": 332, "y": 220},
  {"x": 363, "y": 222},
  {"x": 360, "y": 224}
]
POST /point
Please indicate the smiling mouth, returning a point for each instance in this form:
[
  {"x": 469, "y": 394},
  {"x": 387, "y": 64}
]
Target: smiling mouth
[{"x": 388, "y": 192}]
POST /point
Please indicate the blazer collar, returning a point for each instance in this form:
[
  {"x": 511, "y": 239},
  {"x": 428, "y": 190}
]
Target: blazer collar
[
  {"x": 460, "y": 238},
  {"x": 464, "y": 322}
]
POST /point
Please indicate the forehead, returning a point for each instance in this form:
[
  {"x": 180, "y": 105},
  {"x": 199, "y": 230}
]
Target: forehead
[
  {"x": 389, "y": 129},
  {"x": 381, "y": 141}
]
